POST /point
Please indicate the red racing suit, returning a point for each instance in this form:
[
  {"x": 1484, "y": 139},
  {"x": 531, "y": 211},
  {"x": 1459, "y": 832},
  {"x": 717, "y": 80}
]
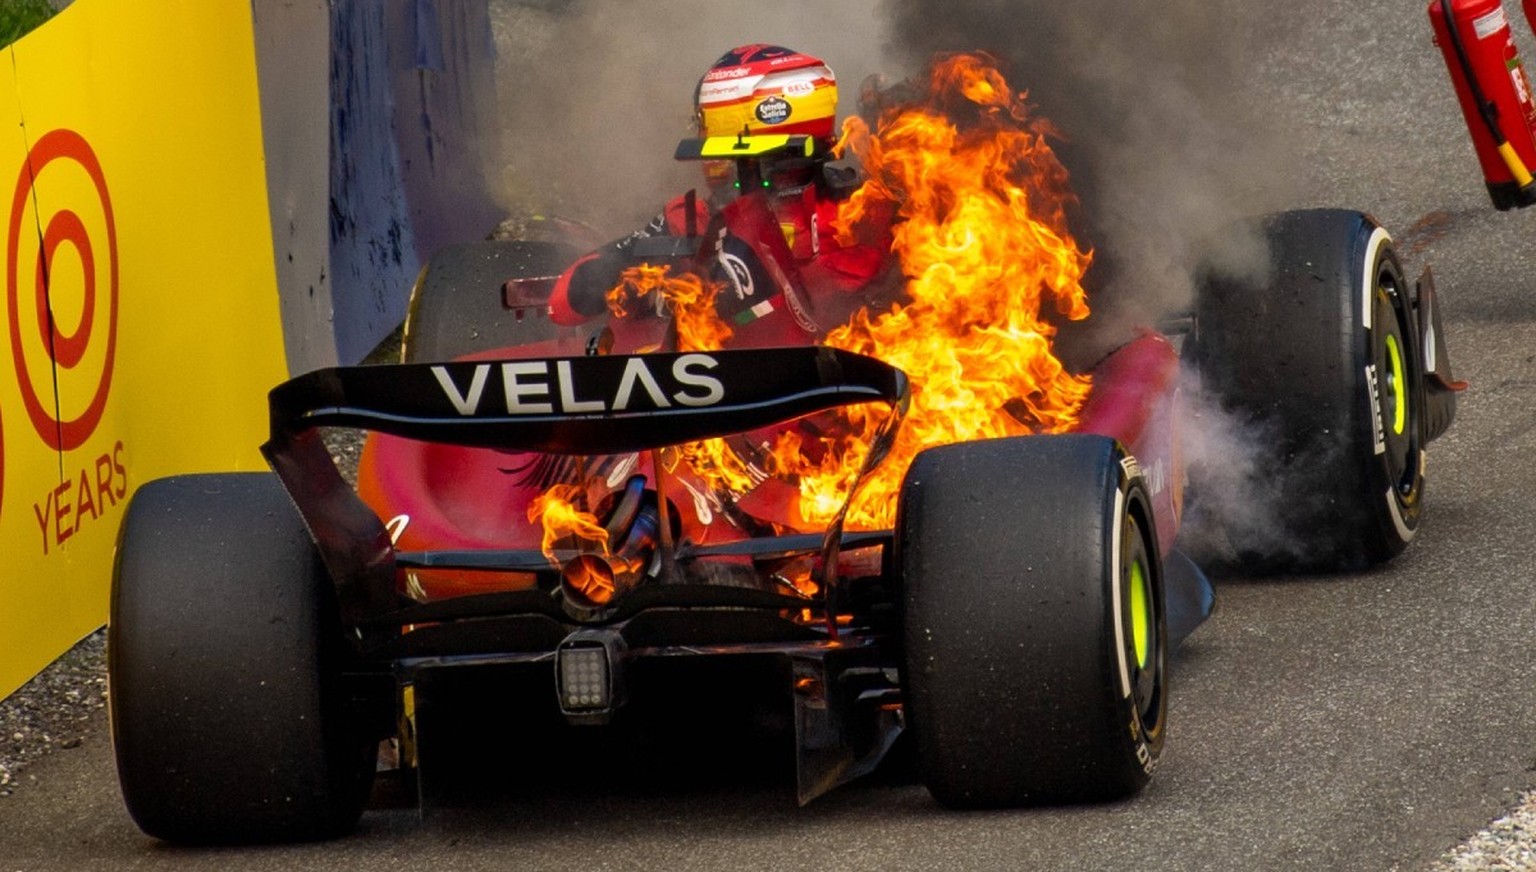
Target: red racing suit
[{"x": 786, "y": 279}]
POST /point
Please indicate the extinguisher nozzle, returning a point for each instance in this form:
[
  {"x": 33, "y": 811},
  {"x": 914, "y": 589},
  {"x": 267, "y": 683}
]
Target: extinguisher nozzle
[{"x": 1508, "y": 195}]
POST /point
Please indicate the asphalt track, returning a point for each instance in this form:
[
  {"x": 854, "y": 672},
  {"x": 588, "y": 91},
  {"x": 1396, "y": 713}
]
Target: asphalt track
[{"x": 1365, "y": 722}]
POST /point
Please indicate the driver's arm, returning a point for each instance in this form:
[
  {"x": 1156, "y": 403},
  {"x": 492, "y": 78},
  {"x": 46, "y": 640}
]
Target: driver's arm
[{"x": 581, "y": 291}]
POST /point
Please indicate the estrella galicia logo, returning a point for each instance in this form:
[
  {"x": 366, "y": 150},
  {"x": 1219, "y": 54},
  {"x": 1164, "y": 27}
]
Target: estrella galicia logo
[{"x": 773, "y": 110}]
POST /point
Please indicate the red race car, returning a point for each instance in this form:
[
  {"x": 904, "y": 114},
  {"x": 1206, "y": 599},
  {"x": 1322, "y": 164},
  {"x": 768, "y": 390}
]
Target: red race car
[{"x": 582, "y": 503}]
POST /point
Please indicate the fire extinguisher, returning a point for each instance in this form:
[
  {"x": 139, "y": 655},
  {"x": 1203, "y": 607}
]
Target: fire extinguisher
[{"x": 1495, "y": 94}]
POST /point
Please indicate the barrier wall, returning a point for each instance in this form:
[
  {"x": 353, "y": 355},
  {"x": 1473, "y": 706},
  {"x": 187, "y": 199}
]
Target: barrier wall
[
  {"x": 142, "y": 322},
  {"x": 206, "y": 195},
  {"x": 401, "y": 96}
]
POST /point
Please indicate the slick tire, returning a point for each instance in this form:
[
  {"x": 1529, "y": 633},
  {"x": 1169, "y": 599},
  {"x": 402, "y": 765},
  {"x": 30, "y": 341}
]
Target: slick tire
[
  {"x": 230, "y": 717},
  {"x": 1318, "y": 362},
  {"x": 1033, "y": 622},
  {"x": 456, "y": 307}
]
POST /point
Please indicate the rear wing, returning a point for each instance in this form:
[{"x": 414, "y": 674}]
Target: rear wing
[
  {"x": 583, "y": 405},
  {"x": 569, "y": 405}
]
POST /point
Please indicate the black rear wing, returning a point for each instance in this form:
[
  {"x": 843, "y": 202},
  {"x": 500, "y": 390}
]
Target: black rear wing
[
  {"x": 584, "y": 405},
  {"x": 570, "y": 405}
]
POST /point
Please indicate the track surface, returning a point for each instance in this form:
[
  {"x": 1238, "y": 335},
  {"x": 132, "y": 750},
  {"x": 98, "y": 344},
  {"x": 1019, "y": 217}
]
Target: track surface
[{"x": 1365, "y": 723}]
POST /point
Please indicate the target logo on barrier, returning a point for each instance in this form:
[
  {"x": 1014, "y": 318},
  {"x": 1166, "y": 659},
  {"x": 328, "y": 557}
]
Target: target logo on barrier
[{"x": 61, "y": 288}]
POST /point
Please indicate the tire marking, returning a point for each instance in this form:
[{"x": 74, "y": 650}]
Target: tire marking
[
  {"x": 1378, "y": 427},
  {"x": 1115, "y": 543},
  {"x": 1379, "y": 237},
  {"x": 1404, "y": 532}
]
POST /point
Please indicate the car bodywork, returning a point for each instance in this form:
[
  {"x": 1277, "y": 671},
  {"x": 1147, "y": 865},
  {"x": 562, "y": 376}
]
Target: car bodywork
[{"x": 434, "y": 567}]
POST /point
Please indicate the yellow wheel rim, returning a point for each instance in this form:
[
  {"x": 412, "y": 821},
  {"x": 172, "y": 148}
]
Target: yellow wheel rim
[
  {"x": 1140, "y": 637},
  {"x": 1399, "y": 386}
]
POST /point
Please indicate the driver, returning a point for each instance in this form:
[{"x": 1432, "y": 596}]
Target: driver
[{"x": 757, "y": 90}]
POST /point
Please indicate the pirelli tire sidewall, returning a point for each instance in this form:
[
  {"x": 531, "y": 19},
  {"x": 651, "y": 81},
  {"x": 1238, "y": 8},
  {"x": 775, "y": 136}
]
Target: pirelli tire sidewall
[
  {"x": 1029, "y": 678},
  {"x": 1142, "y": 643},
  {"x": 1395, "y": 397}
]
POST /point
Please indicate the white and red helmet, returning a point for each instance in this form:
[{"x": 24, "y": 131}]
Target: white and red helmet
[{"x": 763, "y": 88}]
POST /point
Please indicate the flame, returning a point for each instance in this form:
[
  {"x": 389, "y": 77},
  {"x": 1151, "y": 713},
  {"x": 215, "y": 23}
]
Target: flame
[
  {"x": 557, "y": 511},
  {"x": 591, "y": 579},
  {"x": 980, "y": 232},
  {"x": 713, "y": 461},
  {"x": 690, "y": 299},
  {"x": 595, "y": 579},
  {"x": 981, "y": 235}
]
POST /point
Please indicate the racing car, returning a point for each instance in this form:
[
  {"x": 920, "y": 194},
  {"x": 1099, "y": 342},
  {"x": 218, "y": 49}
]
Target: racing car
[{"x": 270, "y": 630}]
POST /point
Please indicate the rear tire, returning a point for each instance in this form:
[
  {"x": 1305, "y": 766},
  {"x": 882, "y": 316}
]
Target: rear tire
[
  {"x": 1320, "y": 364},
  {"x": 457, "y": 306},
  {"x": 230, "y": 717},
  {"x": 1034, "y": 623}
]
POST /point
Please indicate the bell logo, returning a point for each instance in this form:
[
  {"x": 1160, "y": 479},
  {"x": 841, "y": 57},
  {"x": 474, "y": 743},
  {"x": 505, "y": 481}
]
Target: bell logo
[{"x": 61, "y": 284}]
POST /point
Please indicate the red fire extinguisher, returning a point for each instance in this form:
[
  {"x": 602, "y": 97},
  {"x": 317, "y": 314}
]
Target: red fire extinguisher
[{"x": 1495, "y": 94}]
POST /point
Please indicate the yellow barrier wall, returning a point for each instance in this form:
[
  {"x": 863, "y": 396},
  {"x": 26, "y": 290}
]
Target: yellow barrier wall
[{"x": 136, "y": 214}]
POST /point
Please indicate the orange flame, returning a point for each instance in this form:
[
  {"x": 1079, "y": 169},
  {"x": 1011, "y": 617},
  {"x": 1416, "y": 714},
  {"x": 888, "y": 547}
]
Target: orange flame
[
  {"x": 557, "y": 511},
  {"x": 592, "y": 580},
  {"x": 981, "y": 234},
  {"x": 690, "y": 298},
  {"x": 699, "y": 328}
]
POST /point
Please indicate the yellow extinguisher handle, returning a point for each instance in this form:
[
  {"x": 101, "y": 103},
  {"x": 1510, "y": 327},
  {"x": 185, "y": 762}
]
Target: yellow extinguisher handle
[{"x": 1516, "y": 166}]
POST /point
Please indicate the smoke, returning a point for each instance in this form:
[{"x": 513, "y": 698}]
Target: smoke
[
  {"x": 1166, "y": 141},
  {"x": 1170, "y": 150},
  {"x": 1164, "y": 137},
  {"x": 596, "y": 94},
  {"x": 1165, "y": 145},
  {"x": 1243, "y": 501}
]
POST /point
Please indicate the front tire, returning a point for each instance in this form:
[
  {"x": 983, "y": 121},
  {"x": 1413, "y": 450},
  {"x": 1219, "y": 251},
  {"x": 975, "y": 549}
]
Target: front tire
[
  {"x": 230, "y": 716},
  {"x": 1034, "y": 621}
]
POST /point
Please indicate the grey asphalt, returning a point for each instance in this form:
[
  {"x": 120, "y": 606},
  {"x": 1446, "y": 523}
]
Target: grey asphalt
[{"x": 1365, "y": 722}]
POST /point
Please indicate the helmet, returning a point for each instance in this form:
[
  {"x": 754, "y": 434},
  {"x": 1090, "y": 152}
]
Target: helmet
[{"x": 768, "y": 89}]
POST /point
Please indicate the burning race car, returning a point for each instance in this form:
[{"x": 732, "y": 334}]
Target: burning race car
[{"x": 924, "y": 519}]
